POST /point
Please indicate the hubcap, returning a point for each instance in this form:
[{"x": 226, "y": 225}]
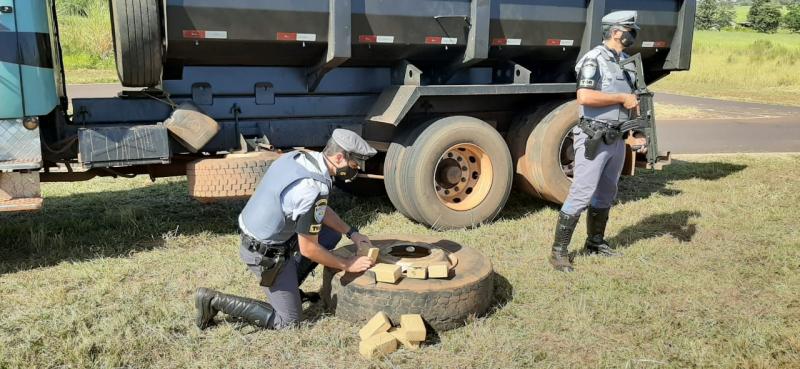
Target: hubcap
[{"x": 463, "y": 177}]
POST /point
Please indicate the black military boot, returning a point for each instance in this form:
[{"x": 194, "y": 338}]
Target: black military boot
[
  {"x": 596, "y": 221},
  {"x": 564, "y": 229},
  {"x": 304, "y": 269},
  {"x": 209, "y": 302}
]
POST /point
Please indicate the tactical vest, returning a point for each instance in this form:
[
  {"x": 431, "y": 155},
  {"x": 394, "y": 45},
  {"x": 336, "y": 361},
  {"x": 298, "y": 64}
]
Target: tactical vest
[
  {"x": 263, "y": 216},
  {"x": 613, "y": 81}
]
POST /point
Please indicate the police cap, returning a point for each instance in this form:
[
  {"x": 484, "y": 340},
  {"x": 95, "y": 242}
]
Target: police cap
[
  {"x": 358, "y": 149},
  {"x": 624, "y": 18}
]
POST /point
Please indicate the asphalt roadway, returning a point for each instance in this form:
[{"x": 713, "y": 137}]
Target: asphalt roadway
[{"x": 728, "y": 126}]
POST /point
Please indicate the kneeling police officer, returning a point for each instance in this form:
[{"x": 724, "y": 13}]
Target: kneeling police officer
[
  {"x": 287, "y": 228},
  {"x": 606, "y": 99}
]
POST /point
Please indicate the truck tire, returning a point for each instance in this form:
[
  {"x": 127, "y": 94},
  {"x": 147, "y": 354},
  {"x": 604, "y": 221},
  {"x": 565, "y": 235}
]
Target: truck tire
[
  {"x": 541, "y": 144},
  {"x": 230, "y": 178},
  {"x": 393, "y": 168},
  {"x": 457, "y": 174},
  {"x": 443, "y": 303},
  {"x": 138, "y": 41}
]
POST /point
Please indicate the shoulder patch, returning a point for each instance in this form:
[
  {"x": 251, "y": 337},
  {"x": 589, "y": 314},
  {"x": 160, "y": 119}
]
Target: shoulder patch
[{"x": 319, "y": 209}]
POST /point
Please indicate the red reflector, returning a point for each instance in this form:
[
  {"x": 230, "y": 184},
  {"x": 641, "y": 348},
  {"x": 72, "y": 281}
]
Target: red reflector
[
  {"x": 498, "y": 41},
  {"x": 287, "y": 36},
  {"x": 433, "y": 40},
  {"x": 368, "y": 38},
  {"x": 661, "y": 44},
  {"x": 553, "y": 42},
  {"x": 194, "y": 34}
]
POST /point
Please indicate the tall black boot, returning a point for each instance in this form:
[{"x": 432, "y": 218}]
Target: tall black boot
[
  {"x": 208, "y": 302},
  {"x": 596, "y": 221},
  {"x": 304, "y": 268},
  {"x": 564, "y": 229}
]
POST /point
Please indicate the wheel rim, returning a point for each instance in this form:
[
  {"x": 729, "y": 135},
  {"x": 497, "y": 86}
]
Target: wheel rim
[
  {"x": 567, "y": 154},
  {"x": 463, "y": 177}
]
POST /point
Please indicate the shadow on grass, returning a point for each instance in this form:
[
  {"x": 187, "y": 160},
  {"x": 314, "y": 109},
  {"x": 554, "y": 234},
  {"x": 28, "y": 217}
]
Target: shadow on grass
[
  {"x": 115, "y": 223},
  {"x": 676, "y": 225},
  {"x": 639, "y": 187}
]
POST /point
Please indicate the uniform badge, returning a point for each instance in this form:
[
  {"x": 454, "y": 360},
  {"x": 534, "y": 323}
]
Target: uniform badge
[
  {"x": 589, "y": 70},
  {"x": 319, "y": 210}
]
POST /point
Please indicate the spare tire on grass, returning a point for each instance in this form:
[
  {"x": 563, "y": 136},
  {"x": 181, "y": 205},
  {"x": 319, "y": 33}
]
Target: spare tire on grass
[{"x": 443, "y": 303}]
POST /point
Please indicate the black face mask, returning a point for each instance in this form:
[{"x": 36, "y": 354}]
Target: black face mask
[
  {"x": 346, "y": 174},
  {"x": 628, "y": 38}
]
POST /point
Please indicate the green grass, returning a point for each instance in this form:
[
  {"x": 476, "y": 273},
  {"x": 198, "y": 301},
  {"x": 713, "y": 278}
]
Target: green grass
[
  {"x": 103, "y": 278},
  {"x": 744, "y": 66}
]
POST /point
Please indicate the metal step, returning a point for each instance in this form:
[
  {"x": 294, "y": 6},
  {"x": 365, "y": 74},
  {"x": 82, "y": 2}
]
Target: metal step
[{"x": 23, "y": 204}]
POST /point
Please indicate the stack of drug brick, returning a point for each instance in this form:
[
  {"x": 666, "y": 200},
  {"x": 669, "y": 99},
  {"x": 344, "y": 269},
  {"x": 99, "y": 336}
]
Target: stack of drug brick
[
  {"x": 379, "y": 338},
  {"x": 391, "y": 273}
]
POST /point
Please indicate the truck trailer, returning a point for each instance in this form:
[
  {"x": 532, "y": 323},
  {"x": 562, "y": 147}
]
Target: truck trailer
[{"x": 462, "y": 98}]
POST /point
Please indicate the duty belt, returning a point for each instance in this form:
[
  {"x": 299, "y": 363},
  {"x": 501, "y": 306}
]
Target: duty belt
[
  {"x": 598, "y": 131},
  {"x": 268, "y": 250},
  {"x": 270, "y": 258}
]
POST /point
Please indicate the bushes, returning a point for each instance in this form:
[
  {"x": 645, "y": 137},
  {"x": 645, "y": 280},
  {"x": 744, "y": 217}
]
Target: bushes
[
  {"x": 765, "y": 16},
  {"x": 85, "y": 29},
  {"x": 792, "y": 18}
]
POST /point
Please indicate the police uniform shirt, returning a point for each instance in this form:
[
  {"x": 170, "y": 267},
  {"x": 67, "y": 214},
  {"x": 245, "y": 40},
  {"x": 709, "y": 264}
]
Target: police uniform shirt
[
  {"x": 600, "y": 70},
  {"x": 305, "y": 200}
]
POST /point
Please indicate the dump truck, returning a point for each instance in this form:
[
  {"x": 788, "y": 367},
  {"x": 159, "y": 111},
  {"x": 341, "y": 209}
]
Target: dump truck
[{"x": 462, "y": 98}]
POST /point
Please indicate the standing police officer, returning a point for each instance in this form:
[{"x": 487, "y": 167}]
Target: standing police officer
[
  {"x": 606, "y": 101},
  {"x": 289, "y": 213}
]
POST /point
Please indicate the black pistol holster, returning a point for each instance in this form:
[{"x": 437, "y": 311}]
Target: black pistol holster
[
  {"x": 597, "y": 132},
  {"x": 270, "y": 258}
]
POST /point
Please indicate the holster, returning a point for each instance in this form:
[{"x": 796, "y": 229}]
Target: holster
[
  {"x": 596, "y": 133},
  {"x": 270, "y": 258}
]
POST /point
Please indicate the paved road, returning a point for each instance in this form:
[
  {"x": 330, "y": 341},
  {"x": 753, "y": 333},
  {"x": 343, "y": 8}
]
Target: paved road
[
  {"x": 745, "y": 127},
  {"x": 741, "y": 127}
]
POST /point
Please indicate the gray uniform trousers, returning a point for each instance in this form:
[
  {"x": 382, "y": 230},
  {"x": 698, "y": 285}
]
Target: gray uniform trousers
[
  {"x": 284, "y": 294},
  {"x": 595, "y": 181}
]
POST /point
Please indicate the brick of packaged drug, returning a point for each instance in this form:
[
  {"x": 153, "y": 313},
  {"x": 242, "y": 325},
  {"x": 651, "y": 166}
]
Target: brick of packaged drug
[
  {"x": 387, "y": 273},
  {"x": 413, "y": 326},
  {"x": 417, "y": 272},
  {"x": 378, "y": 324},
  {"x": 401, "y": 335},
  {"x": 378, "y": 345},
  {"x": 373, "y": 254},
  {"x": 438, "y": 270}
]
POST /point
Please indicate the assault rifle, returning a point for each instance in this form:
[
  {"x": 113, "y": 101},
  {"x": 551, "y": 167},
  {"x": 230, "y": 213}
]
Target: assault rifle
[{"x": 645, "y": 121}]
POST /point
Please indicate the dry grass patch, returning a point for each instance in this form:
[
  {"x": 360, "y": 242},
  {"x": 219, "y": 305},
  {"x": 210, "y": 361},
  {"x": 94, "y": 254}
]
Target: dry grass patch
[{"x": 103, "y": 277}]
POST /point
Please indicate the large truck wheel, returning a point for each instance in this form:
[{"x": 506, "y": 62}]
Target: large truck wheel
[
  {"x": 232, "y": 177},
  {"x": 457, "y": 173},
  {"x": 138, "y": 41},
  {"x": 443, "y": 303},
  {"x": 544, "y": 158}
]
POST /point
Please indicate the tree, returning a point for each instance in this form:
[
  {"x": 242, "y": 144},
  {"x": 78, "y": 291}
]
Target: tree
[
  {"x": 714, "y": 14},
  {"x": 706, "y": 14},
  {"x": 765, "y": 16},
  {"x": 792, "y": 18}
]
